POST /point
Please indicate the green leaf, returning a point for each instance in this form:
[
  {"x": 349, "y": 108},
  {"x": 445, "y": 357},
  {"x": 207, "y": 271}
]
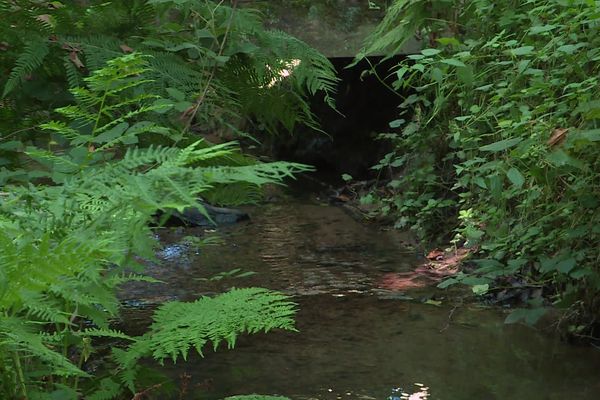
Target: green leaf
[
  {"x": 593, "y": 135},
  {"x": 515, "y": 177},
  {"x": 535, "y": 30},
  {"x": 547, "y": 264},
  {"x": 522, "y": 51},
  {"x": 567, "y": 48},
  {"x": 561, "y": 158},
  {"x": 437, "y": 75},
  {"x": 396, "y": 123},
  {"x": 528, "y": 315},
  {"x": 501, "y": 145},
  {"x": 176, "y": 94},
  {"x": 454, "y": 62},
  {"x": 112, "y": 133},
  {"x": 480, "y": 289},
  {"x": 430, "y": 52},
  {"x": 400, "y": 73},
  {"x": 565, "y": 266},
  {"x": 581, "y": 273},
  {"x": 448, "y": 41},
  {"x": 419, "y": 67},
  {"x": 447, "y": 283},
  {"x": 162, "y": 105}
]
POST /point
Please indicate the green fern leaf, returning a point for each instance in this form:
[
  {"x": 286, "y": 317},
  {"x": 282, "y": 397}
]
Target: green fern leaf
[
  {"x": 32, "y": 57},
  {"x": 179, "y": 327}
]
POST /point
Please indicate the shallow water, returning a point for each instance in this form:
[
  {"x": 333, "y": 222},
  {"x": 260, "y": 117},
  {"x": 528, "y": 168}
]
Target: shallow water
[{"x": 359, "y": 338}]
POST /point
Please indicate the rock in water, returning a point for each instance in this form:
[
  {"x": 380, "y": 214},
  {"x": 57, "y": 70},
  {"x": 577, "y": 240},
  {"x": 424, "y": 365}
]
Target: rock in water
[{"x": 218, "y": 216}]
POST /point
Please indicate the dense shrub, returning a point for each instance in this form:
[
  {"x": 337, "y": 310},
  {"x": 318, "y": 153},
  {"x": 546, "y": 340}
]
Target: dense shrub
[{"x": 497, "y": 145}]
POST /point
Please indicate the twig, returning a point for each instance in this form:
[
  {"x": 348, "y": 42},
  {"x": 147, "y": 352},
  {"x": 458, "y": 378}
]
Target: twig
[
  {"x": 140, "y": 395},
  {"x": 191, "y": 112},
  {"x": 17, "y": 132},
  {"x": 449, "y": 319}
]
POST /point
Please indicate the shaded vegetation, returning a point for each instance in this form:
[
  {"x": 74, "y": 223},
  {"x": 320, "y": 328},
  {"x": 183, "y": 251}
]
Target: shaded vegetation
[
  {"x": 496, "y": 144},
  {"x": 104, "y": 114}
]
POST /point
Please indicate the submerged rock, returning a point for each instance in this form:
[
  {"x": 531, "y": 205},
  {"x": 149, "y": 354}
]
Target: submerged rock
[{"x": 216, "y": 216}]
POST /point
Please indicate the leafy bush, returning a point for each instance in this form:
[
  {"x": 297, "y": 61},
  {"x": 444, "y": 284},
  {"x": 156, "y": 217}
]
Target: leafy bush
[{"x": 497, "y": 138}]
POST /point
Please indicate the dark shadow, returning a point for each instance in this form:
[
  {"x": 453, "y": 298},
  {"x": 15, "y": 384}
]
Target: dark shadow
[{"x": 365, "y": 106}]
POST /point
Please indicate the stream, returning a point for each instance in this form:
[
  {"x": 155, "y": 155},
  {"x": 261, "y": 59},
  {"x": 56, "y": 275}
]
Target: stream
[{"x": 359, "y": 338}]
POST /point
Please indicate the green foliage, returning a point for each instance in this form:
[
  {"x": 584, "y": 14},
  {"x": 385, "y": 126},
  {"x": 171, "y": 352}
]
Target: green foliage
[
  {"x": 71, "y": 236},
  {"x": 31, "y": 59},
  {"x": 497, "y": 139},
  {"x": 180, "y": 327},
  {"x": 216, "y": 63},
  {"x": 83, "y": 172}
]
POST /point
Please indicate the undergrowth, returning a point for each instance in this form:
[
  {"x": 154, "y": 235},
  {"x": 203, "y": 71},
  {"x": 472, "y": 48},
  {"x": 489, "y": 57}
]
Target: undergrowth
[
  {"x": 215, "y": 61},
  {"x": 102, "y": 118},
  {"x": 496, "y": 144},
  {"x": 71, "y": 236}
]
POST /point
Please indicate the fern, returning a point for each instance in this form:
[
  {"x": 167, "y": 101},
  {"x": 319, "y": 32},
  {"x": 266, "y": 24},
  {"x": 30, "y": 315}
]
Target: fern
[
  {"x": 402, "y": 20},
  {"x": 64, "y": 248},
  {"x": 180, "y": 327},
  {"x": 108, "y": 389},
  {"x": 32, "y": 58},
  {"x": 264, "y": 95},
  {"x": 222, "y": 67}
]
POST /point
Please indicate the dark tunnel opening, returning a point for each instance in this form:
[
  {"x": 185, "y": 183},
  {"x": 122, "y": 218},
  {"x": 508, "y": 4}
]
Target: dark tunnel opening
[{"x": 365, "y": 106}]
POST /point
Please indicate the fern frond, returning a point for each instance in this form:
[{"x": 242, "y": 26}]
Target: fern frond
[
  {"x": 179, "y": 327},
  {"x": 314, "y": 71},
  {"x": 168, "y": 71},
  {"x": 62, "y": 129},
  {"x": 107, "y": 333},
  {"x": 402, "y": 20},
  {"x": 120, "y": 279},
  {"x": 259, "y": 174},
  {"x": 46, "y": 309},
  {"x": 136, "y": 157},
  {"x": 15, "y": 335},
  {"x": 108, "y": 390},
  {"x": 32, "y": 57}
]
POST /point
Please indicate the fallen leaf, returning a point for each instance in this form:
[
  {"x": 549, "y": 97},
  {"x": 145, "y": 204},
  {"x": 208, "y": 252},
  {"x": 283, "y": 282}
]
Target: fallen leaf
[
  {"x": 46, "y": 19},
  {"x": 4, "y": 46},
  {"x": 435, "y": 254},
  {"x": 75, "y": 59},
  {"x": 403, "y": 281},
  {"x": 55, "y": 5},
  {"x": 126, "y": 49},
  {"x": 558, "y": 136}
]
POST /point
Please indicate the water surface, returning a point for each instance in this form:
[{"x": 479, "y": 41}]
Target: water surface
[{"x": 358, "y": 339}]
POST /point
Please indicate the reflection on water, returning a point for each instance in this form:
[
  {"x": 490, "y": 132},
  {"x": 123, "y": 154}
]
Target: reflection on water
[
  {"x": 355, "y": 340},
  {"x": 421, "y": 393}
]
